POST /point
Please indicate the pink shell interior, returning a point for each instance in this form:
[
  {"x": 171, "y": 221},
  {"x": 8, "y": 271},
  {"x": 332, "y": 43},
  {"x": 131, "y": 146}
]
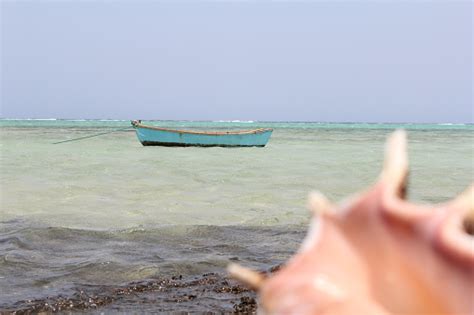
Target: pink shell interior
[{"x": 379, "y": 254}]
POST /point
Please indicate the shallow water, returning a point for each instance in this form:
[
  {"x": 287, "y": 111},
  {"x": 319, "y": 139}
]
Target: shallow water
[{"x": 107, "y": 211}]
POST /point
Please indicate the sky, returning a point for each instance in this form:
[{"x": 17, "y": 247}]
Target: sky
[{"x": 334, "y": 61}]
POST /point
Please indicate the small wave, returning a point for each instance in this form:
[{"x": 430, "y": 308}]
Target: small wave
[
  {"x": 112, "y": 119},
  {"x": 15, "y": 242},
  {"x": 37, "y": 119},
  {"x": 235, "y": 121},
  {"x": 62, "y": 119},
  {"x": 451, "y": 124},
  {"x": 95, "y": 120}
]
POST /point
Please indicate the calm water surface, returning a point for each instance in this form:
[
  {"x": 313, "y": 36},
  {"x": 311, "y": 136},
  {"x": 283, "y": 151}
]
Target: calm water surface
[{"x": 107, "y": 210}]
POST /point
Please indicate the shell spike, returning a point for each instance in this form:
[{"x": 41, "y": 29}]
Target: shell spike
[
  {"x": 248, "y": 276},
  {"x": 466, "y": 200},
  {"x": 457, "y": 229},
  {"x": 395, "y": 169},
  {"x": 318, "y": 204}
]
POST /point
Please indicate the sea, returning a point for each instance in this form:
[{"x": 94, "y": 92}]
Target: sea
[{"x": 98, "y": 216}]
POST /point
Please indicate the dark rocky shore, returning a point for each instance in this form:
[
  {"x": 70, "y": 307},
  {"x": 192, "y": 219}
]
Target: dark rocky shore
[{"x": 211, "y": 292}]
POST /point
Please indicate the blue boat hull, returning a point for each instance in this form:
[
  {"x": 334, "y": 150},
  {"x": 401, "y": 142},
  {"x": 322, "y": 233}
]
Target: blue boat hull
[{"x": 149, "y": 136}]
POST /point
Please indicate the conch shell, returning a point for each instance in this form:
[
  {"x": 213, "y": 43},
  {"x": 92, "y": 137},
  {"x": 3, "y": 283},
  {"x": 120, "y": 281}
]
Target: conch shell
[{"x": 377, "y": 254}]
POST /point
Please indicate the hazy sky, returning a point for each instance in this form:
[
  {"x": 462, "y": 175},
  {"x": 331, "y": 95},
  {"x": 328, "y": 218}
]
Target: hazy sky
[{"x": 391, "y": 61}]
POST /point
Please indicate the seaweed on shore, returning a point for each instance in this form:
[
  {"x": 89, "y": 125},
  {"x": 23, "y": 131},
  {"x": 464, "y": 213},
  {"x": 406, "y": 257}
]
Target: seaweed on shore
[{"x": 211, "y": 292}]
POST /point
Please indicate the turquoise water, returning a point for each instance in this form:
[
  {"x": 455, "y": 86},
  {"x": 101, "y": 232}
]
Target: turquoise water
[
  {"x": 229, "y": 124},
  {"x": 106, "y": 210}
]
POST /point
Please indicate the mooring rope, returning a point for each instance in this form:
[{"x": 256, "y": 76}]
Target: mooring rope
[{"x": 94, "y": 135}]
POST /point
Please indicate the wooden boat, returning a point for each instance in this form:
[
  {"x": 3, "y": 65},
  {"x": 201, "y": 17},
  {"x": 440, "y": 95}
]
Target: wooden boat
[{"x": 151, "y": 135}]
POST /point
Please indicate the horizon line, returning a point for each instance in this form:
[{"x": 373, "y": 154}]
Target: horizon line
[{"x": 238, "y": 121}]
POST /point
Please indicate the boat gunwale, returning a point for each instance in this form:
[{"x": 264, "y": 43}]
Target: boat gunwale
[{"x": 211, "y": 133}]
